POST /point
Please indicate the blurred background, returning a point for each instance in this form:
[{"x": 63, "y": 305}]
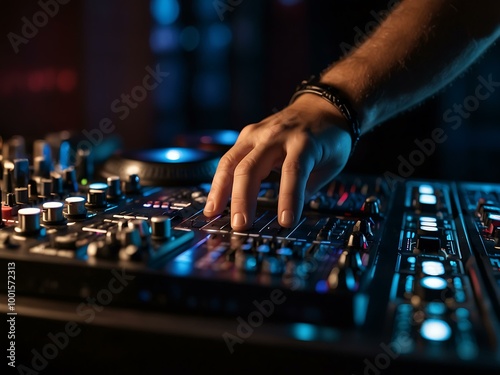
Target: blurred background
[{"x": 148, "y": 73}]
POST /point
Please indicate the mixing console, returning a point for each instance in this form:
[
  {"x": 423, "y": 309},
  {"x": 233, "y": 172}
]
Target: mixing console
[{"x": 377, "y": 277}]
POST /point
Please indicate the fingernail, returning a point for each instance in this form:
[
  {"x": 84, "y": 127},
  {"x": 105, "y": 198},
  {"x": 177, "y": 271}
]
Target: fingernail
[
  {"x": 209, "y": 206},
  {"x": 238, "y": 220},
  {"x": 287, "y": 217}
]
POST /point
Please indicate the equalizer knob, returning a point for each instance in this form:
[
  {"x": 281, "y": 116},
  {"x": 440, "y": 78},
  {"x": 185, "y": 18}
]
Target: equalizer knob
[
  {"x": 364, "y": 226},
  {"x": 114, "y": 191},
  {"x": 84, "y": 165},
  {"x": 161, "y": 228},
  {"x": 70, "y": 181},
  {"x": 371, "y": 206},
  {"x": 28, "y": 221},
  {"x": 132, "y": 185},
  {"x": 357, "y": 241},
  {"x": 21, "y": 194},
  {"x": 53, "y": 213},
  {"x": 75, "y": 208},
  {"x": 96, "y": 198}
]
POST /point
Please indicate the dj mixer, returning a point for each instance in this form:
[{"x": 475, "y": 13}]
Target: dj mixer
[{"x": 115, "y": 267}]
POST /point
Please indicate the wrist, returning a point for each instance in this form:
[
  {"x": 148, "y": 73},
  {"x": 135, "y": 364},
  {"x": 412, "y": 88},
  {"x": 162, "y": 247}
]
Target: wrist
[{"x": 336, "y": 99}]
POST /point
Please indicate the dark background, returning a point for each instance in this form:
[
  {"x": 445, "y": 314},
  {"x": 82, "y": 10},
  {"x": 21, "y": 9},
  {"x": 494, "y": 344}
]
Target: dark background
[{"x": 230, "y": 63}]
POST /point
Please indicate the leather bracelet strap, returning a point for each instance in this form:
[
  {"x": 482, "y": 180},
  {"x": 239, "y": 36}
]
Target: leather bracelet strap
[{"x": 331, "y": 95}]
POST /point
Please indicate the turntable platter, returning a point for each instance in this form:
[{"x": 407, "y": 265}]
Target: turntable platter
[{"x": 164, "y": 166}]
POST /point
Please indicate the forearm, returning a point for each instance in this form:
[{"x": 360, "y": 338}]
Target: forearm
[{"x": 418, "y": 49}]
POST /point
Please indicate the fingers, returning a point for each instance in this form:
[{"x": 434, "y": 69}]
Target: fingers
[
  {"x": 248, "y": 175},
  {"x": 222, "y": 182},
  {"x": 294, "y": 176}
]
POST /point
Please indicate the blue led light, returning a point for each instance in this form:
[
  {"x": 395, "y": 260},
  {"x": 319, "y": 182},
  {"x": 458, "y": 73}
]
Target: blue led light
[
  {"x": 428, "y": 219},
  {"x": 304, "y": 331},
  {"x": 426, "y": 189},
  {"x": 190, "y": 38},
  {"x": 433, "y": 282},
  {"x": 436, "y": 308},
  {"x": 165, "y": 12},
  {"x": 222, "y": 137},
  {"x": 428, "y": 228},
  {"x": 322, "y": 286},
  {"x": 98, "y": 186},
  {"x": 411, "y": 260},
  {"x": 462, "y": 313},
  {"x": 427, "y": 199},
  {"x": 219, "y": 35},
  {"x": 173, "y": 155},
  {"x": 435, "y": 330},
  {"x": 164, "y": 39},
  {"x": 429, "y": 224},
  {"x": 432, "y": 268}
]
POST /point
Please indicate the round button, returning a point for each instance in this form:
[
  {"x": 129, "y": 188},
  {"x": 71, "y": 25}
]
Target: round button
[
  {"x": 160, "y": 227},
  {"x": 53, "y": 212},
  {"x": 75, "y": 208},
  {"x": 28, "y": 221},
  {"x": 435, "y": 330},
  {"x": 96, "y": 198}
]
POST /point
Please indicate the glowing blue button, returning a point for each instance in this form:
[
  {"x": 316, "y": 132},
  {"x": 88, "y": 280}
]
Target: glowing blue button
[
  {"x": 322, "y": 286},
  {"x": 426, "y": 189},
  {"x": 435, "y": 330},
  {"x": 428, "y": 219},
  {"x": 433, "y": 282},
  {"x": 432, "y": 268},
  {"x": 462, "y": 313},
  {"x": 98, "y": 186},
  {"x": 165, "y": 12},
  {"x": 304, "y": 331},
  {"x": 429, "y": 224},
  {"x": 427, "y": 199},
  {"x": 411, "y": 260},
  {"x": 436, "y": 308},
  {"x": 428, "y": 228},
  {"x": 173, "y": 155}
]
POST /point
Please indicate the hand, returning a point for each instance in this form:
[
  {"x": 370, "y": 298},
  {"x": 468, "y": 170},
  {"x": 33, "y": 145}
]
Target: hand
[{"x": 307, "y": 141}]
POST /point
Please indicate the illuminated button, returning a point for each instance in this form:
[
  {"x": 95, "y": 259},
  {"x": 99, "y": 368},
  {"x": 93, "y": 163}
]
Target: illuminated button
[
  {"x": 427, "y": 199},
  {"x": 432, "y": 268},
  {"x": 428, "y": 228},
  {"x": 436, "y": 308},
  {"x": 98, "y": 186},
  {"x": 427, "y": 219},
  {"x": 426, "y": 189},
  {"x": 428, "y": 224},
  {"x": 433, "y": 283},
  {"x": 435, "y": 330},
  {"x": 433, "y": 288}
]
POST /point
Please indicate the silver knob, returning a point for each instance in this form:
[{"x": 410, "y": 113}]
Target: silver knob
[
  {"x": 53, "y": 212},
  {"x": 28, "y": 221}
]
